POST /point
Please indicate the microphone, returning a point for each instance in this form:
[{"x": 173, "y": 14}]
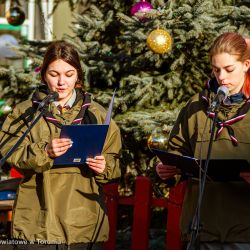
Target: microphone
[
  {"x": 51, "y": 97},
  {"x": 221, "y": 95}
]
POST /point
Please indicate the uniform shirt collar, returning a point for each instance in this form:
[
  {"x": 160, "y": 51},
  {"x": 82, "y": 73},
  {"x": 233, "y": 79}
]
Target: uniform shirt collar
[{"x": 70, "y": 102}]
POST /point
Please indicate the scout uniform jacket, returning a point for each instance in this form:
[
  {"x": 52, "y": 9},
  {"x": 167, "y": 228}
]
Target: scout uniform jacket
[
  {"x": 225, "y": 211},
  {"x": 57, "y": 205}
]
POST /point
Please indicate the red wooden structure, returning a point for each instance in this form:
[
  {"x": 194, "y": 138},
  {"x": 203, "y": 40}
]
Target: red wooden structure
[{"x": 143, "y": 202}]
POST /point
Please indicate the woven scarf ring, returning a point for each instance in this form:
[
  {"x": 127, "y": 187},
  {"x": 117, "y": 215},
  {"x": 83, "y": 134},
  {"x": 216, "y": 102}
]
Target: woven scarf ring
[{"x": 83, "y": 117}]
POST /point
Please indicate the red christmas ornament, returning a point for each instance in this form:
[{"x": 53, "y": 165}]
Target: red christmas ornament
[{"x": 143, "y": 6}]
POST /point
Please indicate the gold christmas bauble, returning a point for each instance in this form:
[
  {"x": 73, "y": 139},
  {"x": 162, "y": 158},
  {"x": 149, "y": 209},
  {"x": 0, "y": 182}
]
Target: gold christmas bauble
[
  {"x": 157, "y": 140},
  {"x": 159, "y": 41}
]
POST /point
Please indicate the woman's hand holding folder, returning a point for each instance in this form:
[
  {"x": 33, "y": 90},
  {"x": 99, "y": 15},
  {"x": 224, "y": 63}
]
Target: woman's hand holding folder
[
  {"x": 58, "y": 146},
  {"x": 245, "y": 176},
  {"x": 97, "y": 164},
  {"x": 166, "y": 171}
]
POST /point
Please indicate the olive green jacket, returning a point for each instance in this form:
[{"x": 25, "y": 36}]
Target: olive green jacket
[
  {"x": 58, "y": 205},
  {"x": 225, "y": 212}
]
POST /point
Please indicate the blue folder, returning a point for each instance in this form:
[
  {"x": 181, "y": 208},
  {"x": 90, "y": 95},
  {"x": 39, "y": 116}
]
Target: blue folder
[{"x": 88, "y": 141}]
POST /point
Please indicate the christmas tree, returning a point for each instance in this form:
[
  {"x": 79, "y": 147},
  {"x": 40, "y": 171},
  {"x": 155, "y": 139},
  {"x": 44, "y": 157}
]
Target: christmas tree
[{"x": 153, "y": 80}]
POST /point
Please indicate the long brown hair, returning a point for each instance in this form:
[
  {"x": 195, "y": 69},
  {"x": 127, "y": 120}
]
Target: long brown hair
[
  {"x": 66, "y": 52},
  {"x": 233, "y": 44}
]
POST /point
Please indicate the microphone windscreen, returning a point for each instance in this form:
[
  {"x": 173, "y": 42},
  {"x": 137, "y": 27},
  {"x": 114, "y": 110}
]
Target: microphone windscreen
[{"x": 223, "y": 89}]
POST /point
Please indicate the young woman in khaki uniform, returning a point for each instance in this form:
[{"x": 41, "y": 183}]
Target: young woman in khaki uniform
[
  {"x": 59, "y": 208},
  {"x": 225, "y": 208}
]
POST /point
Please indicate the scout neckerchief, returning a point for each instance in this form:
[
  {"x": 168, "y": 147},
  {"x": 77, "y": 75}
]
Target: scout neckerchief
[
  {"x": 212, "y": 86},
  {"x": 79, "y": 119}
]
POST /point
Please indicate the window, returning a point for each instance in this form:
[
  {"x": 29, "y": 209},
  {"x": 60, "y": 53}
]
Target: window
[
  {"x": 37, "y": 26},
  {"x": 38, "y": 21}
]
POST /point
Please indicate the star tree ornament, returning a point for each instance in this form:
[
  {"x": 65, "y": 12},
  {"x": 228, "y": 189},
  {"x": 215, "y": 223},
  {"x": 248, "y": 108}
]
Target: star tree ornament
[
  {"x": 15, "y": 16},
  {"x": 141, "y": 7},
  {"x": 159, "y": 41}
]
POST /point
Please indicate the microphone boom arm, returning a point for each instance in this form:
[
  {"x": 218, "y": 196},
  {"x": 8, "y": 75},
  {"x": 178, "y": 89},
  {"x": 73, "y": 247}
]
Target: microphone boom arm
[
  {"x": 20, "y": 140},
  {"x": 50, "y": 98}
]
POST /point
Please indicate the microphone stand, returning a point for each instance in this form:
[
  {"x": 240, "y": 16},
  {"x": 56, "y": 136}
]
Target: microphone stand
[
  {"x": 33, "y": 122},
  {"x": 195, "y": 227}
]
